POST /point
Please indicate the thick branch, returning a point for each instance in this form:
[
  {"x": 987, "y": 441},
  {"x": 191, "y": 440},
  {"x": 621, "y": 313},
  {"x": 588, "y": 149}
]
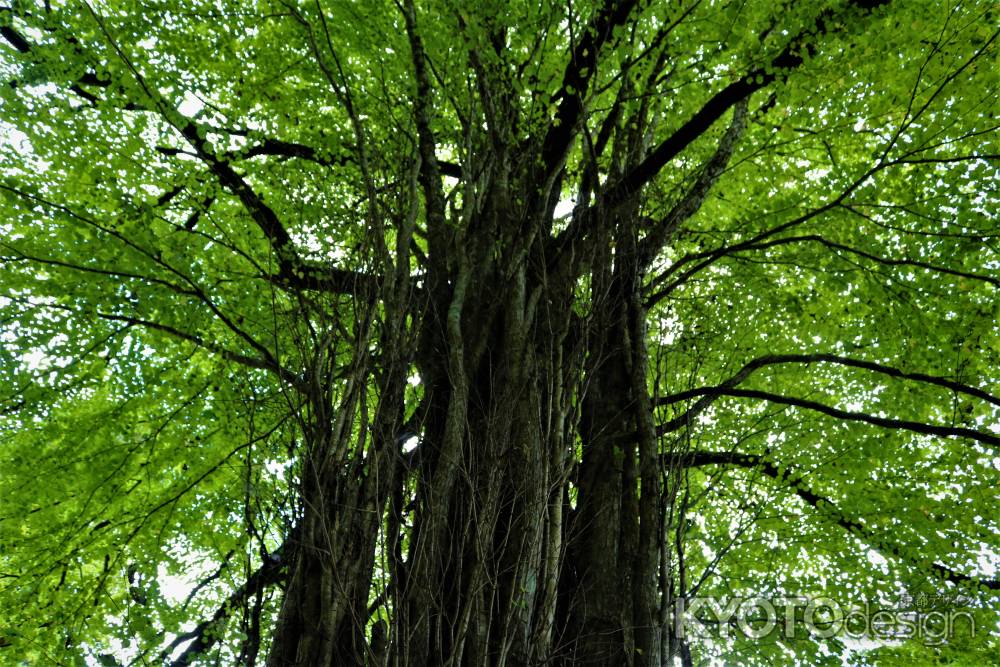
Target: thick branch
[
  {"x": 23, "y": 46},
  {"x": 837, "y": 413},
  {"x": 695, "y": 197},
  {"x": 15, "y": 39},
  {"x": 854, "y": 526},
  {"x": 202, "y": 635},
  {"x": 576, "y": 79},
  {"x": 886, "y": 261},
  {"x": 262, "y": 214},
  {"x": 716, "y": 106},
  {"x": 772, "y": 360},
  {"x": 317, "y": 277},
  {"x": 289, "y": 149},
  {"x": 293, "y": 272},
  {"x": 430, "y": 169},
  {"x": 786, "y": 61}
]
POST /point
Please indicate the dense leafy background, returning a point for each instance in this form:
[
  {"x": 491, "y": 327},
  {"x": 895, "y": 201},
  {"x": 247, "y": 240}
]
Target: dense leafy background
[{"x": 146, "y": 435}]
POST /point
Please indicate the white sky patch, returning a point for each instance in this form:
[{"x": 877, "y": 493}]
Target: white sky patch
[
  {"x": 174, "y": 588},
  {"x": 190, "y": 106},
  {"x": 35, "y": 360},
  {"x": 14, "y": 137},
  {"x": 879, "y": 561},
  {"x": 564, "y": 207},
  {"x": 278, "y": 468},
  {"x": 988, "y": 561},
  {"x": 18, "y": 140},
  {"x": 668, "y": 329}
]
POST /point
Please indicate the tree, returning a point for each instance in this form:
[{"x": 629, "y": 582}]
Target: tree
[{"x": 483, "y": 334}]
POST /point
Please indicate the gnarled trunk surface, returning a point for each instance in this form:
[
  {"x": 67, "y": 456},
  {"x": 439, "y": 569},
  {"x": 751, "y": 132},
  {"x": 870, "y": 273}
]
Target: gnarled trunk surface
[
  {"x": 529, "y": 526},
  {"x": 507, "y": 547}
]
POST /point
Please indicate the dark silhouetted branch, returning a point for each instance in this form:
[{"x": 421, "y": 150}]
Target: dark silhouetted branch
[
  {"x": 837, "y": 413},
  {"x": 828, "y": 508},
  {"x": 202, "y": 637},
  {"x": 789, "y": 59},
  {"x": 576, "y": 79}
]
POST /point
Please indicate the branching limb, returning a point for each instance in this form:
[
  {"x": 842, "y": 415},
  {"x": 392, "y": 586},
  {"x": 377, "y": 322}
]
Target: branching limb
[
  {"x": 885, "y": 261},
  {"x": 772, "y": 360},
  {"x": 715, "y": 108},
  {"x": 703, "y": 260},
  {"x": 430, "y": 169},
  {"x": 201, "y": 637},
  {"x": 580, "y": 70},
  {"x": 712, "y": 393},
  {"x": 724, "y": 100},
  {"x": 695, "y": 196},
  {"x": 292, "y": 272},
  {"x": 829, "y": 509},
  {"x": 229, "y": 355}
]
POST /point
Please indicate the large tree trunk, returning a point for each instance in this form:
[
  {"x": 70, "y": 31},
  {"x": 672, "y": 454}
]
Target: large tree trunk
[
  {"x": 500, "y": 567},
  {"x": 538, "y": 519},
  {"x": 530, "y": 529}
]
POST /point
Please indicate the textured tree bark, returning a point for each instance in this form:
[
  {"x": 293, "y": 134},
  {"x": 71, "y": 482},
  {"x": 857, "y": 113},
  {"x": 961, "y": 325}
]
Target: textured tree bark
[
  {"x": 498, "y": 550},
  {"x": 538, "y": 521},
  {"x": 530, "y": 527}
]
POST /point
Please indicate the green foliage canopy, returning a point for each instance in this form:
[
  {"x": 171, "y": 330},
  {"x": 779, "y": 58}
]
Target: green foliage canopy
[{"x": 194, "y": 193}]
